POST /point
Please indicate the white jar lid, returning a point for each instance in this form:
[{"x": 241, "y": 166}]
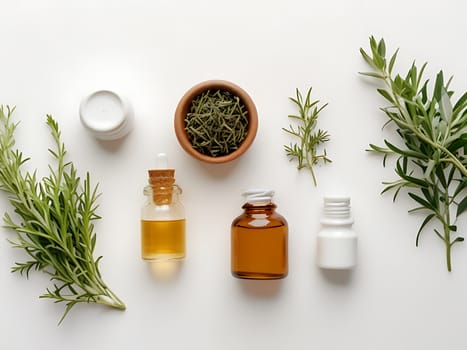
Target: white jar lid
[
  {"x": 106, "y": 115},
  {"x": 258, "y": 196}
]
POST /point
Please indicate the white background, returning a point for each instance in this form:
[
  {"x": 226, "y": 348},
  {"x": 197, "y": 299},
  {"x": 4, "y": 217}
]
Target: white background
[{"x": 399, "y": 297}]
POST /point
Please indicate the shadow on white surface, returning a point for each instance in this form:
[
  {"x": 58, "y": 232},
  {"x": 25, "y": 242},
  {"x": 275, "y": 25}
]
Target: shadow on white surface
[
  {"x": 165, "y": 271},
  {"x": 261, "y": 288},
  {"x": 111, "y": 146},
  {"x": 337, "y": 277},
  {"x": 217, "y": 171}
]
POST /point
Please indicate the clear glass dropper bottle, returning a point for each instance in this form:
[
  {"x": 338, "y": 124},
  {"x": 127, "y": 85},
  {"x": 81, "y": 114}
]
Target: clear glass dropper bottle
[{"x": 162, "y": 216}]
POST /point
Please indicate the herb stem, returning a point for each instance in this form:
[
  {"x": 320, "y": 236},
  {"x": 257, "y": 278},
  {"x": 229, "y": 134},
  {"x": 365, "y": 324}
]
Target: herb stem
[{"x": 445, "y": 219}]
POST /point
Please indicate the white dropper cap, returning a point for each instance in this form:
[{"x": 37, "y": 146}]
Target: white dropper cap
[
  {"x": 258, "y": 196},
  {"x": 162, "y": 162}
]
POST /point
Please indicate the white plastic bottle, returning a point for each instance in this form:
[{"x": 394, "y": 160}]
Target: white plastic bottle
[{"x": 337, "y": 242}]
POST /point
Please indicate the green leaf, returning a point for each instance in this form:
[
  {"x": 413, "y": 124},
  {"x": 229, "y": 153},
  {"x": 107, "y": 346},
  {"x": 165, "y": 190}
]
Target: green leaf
[
  {"x": 445, "y": 106},
  {"x": 425, "y": 222},
  {"x": 429, "y": 168},
  {"x": 428, "y": 196},
  {"x": 459, "y": 143},
  {"x": 397, "y": 185},
  {"x": 367, "y": 58},
  {"x": 461, "y": 102},
  {"x": 295, "y": 117},
  {"x": 379, "y": 61},
  {"x": 441, "y": 177},
  {"x": 420, "y": 74},
  {"x": 421, "y": 201},
  {"x": 382, "y": 48},
  {"x": 407, "y": 153},
  {"x": 450, "y": 176},
  {"x": 415, "y": 181},
  {"x": 379, "y": 149},
  {"x": 457, "y": 240},
  {"x": 439, "y": 86},
  {"x": 392, "y": 61},
  {"x": 386, "y": 95},
  {"x": 373, "y": 75},
  {"x": 461, "y": 207},
  {"x": 460, "y": 187},
  {"x": 424, "y": 92},
  {"x": 412, "y": 77}
]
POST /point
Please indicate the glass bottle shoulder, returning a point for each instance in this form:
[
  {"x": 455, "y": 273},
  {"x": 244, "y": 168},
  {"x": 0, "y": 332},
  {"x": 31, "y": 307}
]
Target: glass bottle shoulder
[{"x": 259, "y": 217}]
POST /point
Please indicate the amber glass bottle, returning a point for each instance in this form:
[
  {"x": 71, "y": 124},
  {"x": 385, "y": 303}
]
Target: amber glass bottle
[
  {"x": 259, "y": 239},
  {"x": 162, "y": 217}
]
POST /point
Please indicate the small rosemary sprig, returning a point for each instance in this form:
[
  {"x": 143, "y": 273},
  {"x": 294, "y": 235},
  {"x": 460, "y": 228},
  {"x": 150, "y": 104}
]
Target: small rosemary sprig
[
  {"x": 53, "y": 221},
  {"x": 433, "y": 130},
  {"x": 306, "y": 151},
  {"x": 217, "y": 123}
]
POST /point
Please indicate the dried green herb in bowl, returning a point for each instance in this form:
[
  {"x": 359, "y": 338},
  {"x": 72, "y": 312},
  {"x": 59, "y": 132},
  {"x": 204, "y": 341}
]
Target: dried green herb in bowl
[{"x": 216, "y": 121}]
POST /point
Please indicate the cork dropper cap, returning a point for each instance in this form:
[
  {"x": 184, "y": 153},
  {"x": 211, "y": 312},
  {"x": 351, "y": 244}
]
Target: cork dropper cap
[{"x": 161, "y": 180}]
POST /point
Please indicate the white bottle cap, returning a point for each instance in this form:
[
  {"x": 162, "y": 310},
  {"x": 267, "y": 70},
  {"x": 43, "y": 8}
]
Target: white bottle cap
[
  {"x": 337, "y": 208},
  {"x": 106, "y": 115},
  {"x": 258, "y": 196}
]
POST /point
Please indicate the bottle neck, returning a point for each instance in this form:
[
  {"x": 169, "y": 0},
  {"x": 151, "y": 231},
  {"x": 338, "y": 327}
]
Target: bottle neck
[
  {"x": 263, "y": 208},
  {"x": 161, "y": 195}
]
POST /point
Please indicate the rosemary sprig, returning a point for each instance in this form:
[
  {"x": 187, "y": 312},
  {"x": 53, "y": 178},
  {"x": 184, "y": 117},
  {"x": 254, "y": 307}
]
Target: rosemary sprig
[
  {"x": 306, "y": 151},
  {"x": 217, "y": 123},
  {"x": 53, "y": 222},
  {"x": 433, "y": 130}
]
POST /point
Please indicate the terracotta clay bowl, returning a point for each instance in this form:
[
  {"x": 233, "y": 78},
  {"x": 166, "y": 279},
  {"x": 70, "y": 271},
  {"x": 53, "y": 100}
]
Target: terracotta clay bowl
[{"x": 184, "y": 107}]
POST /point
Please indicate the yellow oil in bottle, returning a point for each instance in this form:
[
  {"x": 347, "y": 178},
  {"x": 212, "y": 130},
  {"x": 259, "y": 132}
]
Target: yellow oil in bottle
[{"x": 163, "y": 240}]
